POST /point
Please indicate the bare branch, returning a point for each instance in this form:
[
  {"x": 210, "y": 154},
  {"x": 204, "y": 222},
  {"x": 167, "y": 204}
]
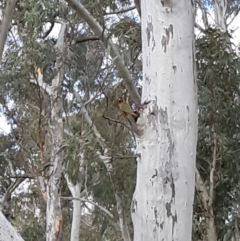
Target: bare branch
[
  {"x": 49, "y": 30},
  {"x": 5, "y": 24},
  {"x": 104, "y": 158},
  {"x": 204, "y": 14},
  {"x": 91, "y": 202},
  {"x": 85, "y": 39},
  {"x": 220, "y": 10},
  {"x": 121, "y": 11},
  {"x": 234, "y": 14},
  {"x": 213, "y": 168},
  {"x": 9, "y": 191},
  {"x": 114, "y": 53},
  {"x": 23, "y": 176},
  {"x": 199, "y": 27},
  {"x": 138, "y": 6}
]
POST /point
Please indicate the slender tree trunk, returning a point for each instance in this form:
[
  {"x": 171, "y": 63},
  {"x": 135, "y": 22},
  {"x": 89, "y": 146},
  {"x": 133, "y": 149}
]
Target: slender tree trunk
[
  {"x": 220, "y": 11},
  {"x": 75, "y": 190},
  {"x": 7, "y": 231},
  {"x": 122, "y": 220},
  {"x": 162, "y": 204},
  {"x": 54, "y": 212},
  {"x": 5, "y": 23},
  {"x": 207, "y": 201},
  {"x": 76, "y": 213}
]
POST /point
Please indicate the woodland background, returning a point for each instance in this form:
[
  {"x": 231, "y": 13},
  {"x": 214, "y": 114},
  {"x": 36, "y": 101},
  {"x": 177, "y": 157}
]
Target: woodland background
[{"x": 98, "y": 174}]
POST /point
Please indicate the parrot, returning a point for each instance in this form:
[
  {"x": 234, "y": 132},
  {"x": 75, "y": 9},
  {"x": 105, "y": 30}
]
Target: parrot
[
  {"x": 131, "y": 115},
  {"x": 126, "y": 109}
]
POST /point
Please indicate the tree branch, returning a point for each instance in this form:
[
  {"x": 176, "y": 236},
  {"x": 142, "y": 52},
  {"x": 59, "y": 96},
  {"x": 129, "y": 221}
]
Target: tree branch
[
  {"x": 204, "y": 14},
  {"x": 213, "y": 168},
  {"x": 114, "y": 53},
  {"x": 201, "y": 188},
  {"x": 138, "y": 6},
  {"x": 104, "y": 158},
  {"x": 91, "y": 202},
  {"x": 5, "y": 24},
  {"x": 9, "y": 191},
  {"x": 121, "y": 11},
  {"x": 85, "y": 39},
  {"x": 49, "y": 30}
]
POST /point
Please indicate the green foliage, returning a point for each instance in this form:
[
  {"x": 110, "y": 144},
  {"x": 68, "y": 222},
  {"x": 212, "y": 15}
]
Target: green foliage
[
  {"x": 219, "y": 116},
  {"x": 33, "y": 232}
]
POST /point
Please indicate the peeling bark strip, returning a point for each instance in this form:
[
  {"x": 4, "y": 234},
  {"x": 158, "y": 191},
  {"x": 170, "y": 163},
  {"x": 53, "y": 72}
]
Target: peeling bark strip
[{"x": 163, "y": 199}]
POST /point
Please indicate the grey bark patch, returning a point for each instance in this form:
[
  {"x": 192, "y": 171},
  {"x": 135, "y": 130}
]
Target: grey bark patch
[
  {"x": 171, "y": 144},
  {"x": 166, "y": 38},
  {"x": 174, "y": 221},
  {"x": 149, "y": 32},
  {"x": 164, "y": 43},
  {"x": 155, "y": 174},
  {"x": 168, "y": 209},
  {"x": 162, "y": 224},
  {"x": 163, "y": 116},
  {"x": 147, "y": 79},
  {"x": 134, "y": 206},
  {"x": 156, "y": 217},
  {"x": 174, "y": 69},
  {"x": 169, "y": 214},
  {"x": 172, "y": 185}
]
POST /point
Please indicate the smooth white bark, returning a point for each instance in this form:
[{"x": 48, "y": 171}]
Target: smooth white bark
[
  {"x": 76, "y": 214},
  {"x": 162, "y": 203},
  {"x": 75, "y": 190},
  {"x": 7, "y": 231}
]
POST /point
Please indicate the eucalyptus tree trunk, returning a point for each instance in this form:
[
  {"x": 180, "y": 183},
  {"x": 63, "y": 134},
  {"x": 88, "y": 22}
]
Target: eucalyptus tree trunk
[
  {"x": 7, "y": 231},
  {"x": 54, "y": 212},
  {"x": 75, "y": 190},
  {"x": 162, "y": 204}
]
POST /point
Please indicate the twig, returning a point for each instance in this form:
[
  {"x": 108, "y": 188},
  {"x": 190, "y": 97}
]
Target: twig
[
  {"x": 121, "y": 11},
  {"x": 85, "y": 39}
]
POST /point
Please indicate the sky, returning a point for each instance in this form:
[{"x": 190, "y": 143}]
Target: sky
[{"x": 5, "y": 128}]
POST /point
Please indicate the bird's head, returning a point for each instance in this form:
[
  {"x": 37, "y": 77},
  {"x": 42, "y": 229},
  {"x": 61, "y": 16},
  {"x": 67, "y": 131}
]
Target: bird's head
[{"x": 120, "y": 100}]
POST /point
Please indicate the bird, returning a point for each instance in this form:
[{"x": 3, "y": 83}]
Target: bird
[
  {"x": 126, "y": 109},
  {"x": 131, "y": 115}
]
